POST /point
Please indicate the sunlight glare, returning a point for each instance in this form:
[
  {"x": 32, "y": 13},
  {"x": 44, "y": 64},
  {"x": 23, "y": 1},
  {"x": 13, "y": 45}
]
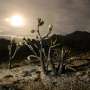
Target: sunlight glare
[{"x": 16, "y": 21}]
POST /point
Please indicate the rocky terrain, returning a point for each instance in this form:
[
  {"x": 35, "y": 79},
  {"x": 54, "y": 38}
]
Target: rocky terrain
[{"x": 29, "y": 77}]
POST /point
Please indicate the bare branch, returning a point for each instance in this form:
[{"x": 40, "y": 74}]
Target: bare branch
[
  {"x": 54, "y": 46},
  {"x": 30, "y": 47},
  {"x": 55, "y": 42},
  {"x": 17, "y": 48},
  {"x": 33, "y": 56},
  {"x": 47, "y": 35}
]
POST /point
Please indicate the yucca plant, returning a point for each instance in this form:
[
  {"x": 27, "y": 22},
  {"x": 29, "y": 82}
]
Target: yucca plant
[{"x": 64, "y": 55}]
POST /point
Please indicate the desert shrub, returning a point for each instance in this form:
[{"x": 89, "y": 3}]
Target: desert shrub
[{"x": 13, "y": 47}]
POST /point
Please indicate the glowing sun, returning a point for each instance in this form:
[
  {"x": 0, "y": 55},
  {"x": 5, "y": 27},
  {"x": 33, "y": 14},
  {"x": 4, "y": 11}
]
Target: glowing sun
[{"x": 16, "y": 21}]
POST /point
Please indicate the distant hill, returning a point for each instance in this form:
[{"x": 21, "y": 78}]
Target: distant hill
[
  {"x": 3, "y": 48},
  {"x": 79, "y": 40}
]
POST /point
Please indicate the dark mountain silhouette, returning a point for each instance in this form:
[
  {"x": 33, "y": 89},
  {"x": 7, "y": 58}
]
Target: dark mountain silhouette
[
  {"x": 3, "y": 48},
  {"x": 78, "y": 40}
]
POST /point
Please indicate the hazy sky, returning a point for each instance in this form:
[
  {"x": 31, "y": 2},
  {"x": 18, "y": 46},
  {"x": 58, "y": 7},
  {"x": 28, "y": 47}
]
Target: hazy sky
[{"x": 66, "y": 15}]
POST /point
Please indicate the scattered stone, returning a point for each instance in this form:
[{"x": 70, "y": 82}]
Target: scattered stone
[
  {"x": 80, "y": 73},
  {"x": 35, "y": 77},
  {"x": 26, "y": 73},
  {"x": 33, "y": 70},
  {"x": 8, "y": 76},
  {"x": 85, "y": 77}
]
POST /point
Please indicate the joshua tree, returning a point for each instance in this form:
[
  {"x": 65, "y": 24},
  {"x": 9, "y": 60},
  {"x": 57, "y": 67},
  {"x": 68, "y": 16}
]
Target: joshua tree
[
  {"x": 11, "y": 50},
  {"x": 44, "y": 59}
]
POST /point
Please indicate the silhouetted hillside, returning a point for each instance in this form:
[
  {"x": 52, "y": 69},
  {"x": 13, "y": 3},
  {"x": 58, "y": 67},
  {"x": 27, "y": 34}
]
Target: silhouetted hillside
[
  {"x": 78, "y": 40},
  {"x": 3, "y": 48}
]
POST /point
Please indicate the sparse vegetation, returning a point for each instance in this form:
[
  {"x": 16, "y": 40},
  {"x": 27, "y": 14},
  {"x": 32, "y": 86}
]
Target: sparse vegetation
[
  {"x": 45, "y": 59},
  {"x": 11, "y": 50},
  {"x": 55, "y": 66}
]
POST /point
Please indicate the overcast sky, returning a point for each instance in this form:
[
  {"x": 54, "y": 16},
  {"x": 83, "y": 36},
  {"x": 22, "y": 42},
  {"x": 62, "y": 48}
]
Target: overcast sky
[{"x": 66, "y": 15}]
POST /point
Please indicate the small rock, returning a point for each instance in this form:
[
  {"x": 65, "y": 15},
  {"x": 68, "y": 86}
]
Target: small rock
[
  {"x": 85, "y": 77},
  {"x": 33, "y": 70},
  {"x": 36, "y": 76},
  {"x": 26, "y": 73},
  {"x": 78, "y": 73},
  {"x": 8, "y": 76}
]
